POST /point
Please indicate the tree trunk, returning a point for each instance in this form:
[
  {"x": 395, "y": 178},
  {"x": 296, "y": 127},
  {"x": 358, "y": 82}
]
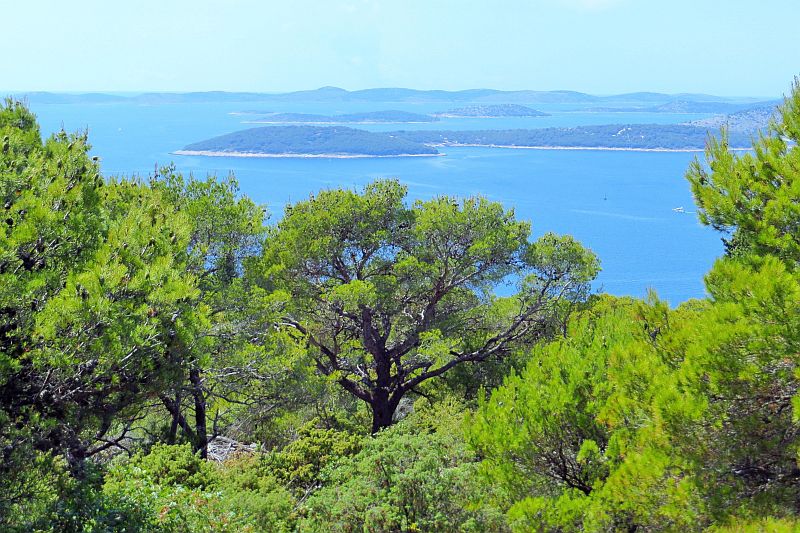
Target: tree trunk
[
  {"x": 200, "y": 425},
  {"x": 174, "y": 409},
  {"x": 76, "y": 458},
  {"x": 173, "y": 428},
  {"x": 383, "y": 407}
]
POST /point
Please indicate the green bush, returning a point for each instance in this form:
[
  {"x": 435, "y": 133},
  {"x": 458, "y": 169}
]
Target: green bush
[
  {"x": 299, "y": 463},
  {"x": 170, "y": 465},
  {"x": 250, "y": 490},
  {"x": 415, "y": 476}
]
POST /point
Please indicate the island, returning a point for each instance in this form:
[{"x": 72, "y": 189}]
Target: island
[
  {"x": 344, "y": 142},
  {"x": 369, "y": 117},
  {"x": 635, "y": 137},
  {"x": 308, "y": 141},
  {"x": 491, "y": 111}
]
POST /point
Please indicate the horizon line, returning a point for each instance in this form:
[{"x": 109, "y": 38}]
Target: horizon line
[{"x": 127, "y": 93}]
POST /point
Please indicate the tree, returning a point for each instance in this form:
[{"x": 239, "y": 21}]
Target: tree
[
  {"x": 225, "y": 229},
  {"x": 646, "y": 417},
  {"x": 387, "y": 296},
  {"x": 580, "y": 439},
  {"x": 755, "y": 198},
  {"x": 92, "y": 298},
  {"x": 748, "y": 364}
]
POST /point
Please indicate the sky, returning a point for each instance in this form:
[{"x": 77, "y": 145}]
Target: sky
[{"x": 723, "y": 47}]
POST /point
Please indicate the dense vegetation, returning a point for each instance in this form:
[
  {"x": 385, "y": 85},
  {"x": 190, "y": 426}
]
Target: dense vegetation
[
  {"x": 341, "y": 140},
  {"x": 169, "y": 362},
  {"x": 621, "y": 136},
  {"x": 311, "y": 140}
]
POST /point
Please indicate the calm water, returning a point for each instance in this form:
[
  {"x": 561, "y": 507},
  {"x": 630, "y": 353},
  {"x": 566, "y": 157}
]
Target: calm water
[{"x": 617, "y": 203}]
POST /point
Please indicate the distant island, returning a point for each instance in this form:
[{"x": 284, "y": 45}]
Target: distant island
[
  {"x": 308, "y": 141},
  {"x": 656, "y": 137},
  {"x": 369, "y": 117},
  {"x": 491, "y": 111},
  {"x": 383, "y": 95}
]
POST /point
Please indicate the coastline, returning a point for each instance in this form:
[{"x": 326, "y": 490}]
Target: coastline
[
  {"x": 595, "y": 148},
  {"x": 491, "y": 116},
  {"x": 319, "y": 123},
  {"x": 209, "y": 153}
]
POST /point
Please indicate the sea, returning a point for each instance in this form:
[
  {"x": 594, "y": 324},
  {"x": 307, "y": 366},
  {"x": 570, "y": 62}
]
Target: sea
[{"x": 633, "y": 209}]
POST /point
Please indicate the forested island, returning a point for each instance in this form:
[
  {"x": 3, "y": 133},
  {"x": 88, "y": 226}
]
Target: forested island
[
  {"x": 368, "y": 117},
  {"x": 171, "y": 360},
  {"x": 308, "y": 141},
  {"x": 295, "y": 141}
]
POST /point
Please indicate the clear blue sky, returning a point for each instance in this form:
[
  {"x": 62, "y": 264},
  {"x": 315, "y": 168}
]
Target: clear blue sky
[{"x": 726, "y": 47}]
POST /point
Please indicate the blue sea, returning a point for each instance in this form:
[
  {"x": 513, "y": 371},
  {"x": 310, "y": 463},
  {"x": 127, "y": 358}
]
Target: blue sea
[{"x": 619, "y": 204}]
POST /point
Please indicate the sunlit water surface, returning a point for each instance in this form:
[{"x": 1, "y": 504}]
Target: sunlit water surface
[{"x": 620, "y": 204}]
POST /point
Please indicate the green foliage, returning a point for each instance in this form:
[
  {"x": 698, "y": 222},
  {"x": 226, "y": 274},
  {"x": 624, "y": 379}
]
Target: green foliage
[
  {"x": 644, "y": 417},
  {"x": 168, "y": 465},
  {"x": 418, "y": 475},
  {"x": 172, "y": 489},
  {"x": 119, "y": 298},
  {"x": 755, "y": 197},
  {"x": 299, "y": 464},
  {"x": 251, "y": 490},
  {"x": 226, "y": 356},
  {"x": 386, "y": 296},
  {"x": 92, "y": 296},
  {"x": 742, "y": 360},
  {"x": 565, "y": 437},
  {"x": 765, "y": 525}
]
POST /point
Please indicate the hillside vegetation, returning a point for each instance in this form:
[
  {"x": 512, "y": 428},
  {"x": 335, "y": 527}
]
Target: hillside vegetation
[
  {"x": 620, "y": 136},
  {"x": 311, "y": 140},
  {"x": 170, "y": 361}
]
